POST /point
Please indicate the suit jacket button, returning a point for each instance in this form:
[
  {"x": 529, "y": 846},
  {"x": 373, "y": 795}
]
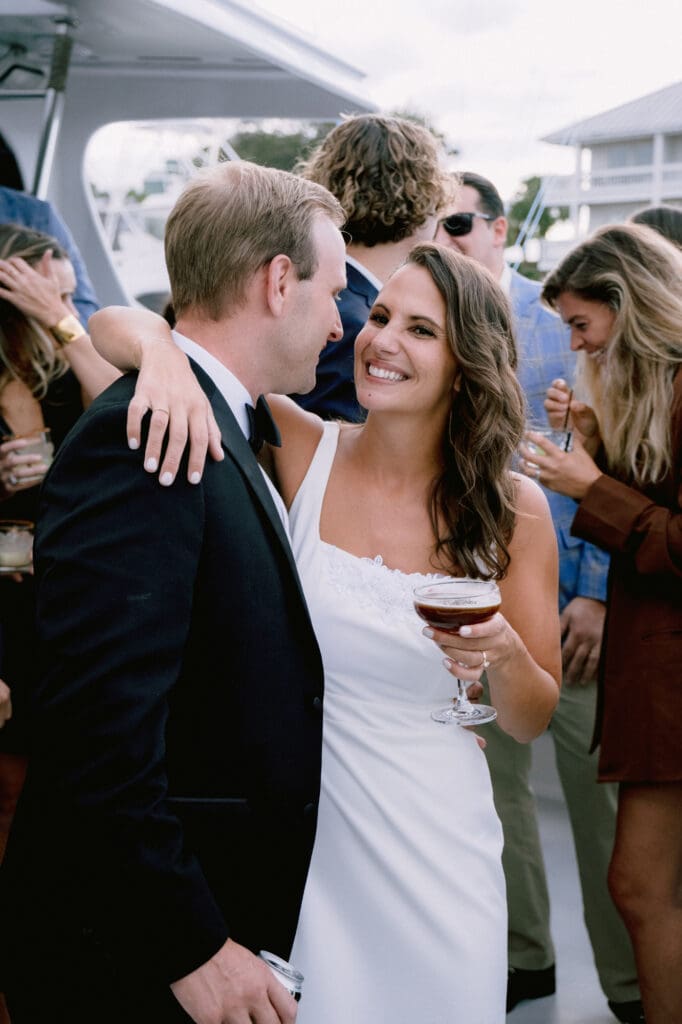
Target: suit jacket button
[
  {"x": 317, "y": 704},
  {"x": 309, "y": 809}
]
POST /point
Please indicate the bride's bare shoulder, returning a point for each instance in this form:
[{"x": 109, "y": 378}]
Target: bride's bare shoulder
[{"x": 301, "y": 432}]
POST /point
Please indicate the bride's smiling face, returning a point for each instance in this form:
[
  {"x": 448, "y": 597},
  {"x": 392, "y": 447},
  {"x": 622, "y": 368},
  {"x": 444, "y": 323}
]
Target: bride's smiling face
[{"x": 403, "y": 359}]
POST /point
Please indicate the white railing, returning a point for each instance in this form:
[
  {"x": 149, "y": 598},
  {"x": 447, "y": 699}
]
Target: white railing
[
  {"x": 552, "y": 252},
  {"x": 672, "y": 178},
  {"x": 635, "y": 184},
  {"x": 559, "y": 190}
]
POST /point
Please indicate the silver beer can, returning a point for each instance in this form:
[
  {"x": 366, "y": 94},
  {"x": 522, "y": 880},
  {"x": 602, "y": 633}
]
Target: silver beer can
[{"x": 284, "y": 972}]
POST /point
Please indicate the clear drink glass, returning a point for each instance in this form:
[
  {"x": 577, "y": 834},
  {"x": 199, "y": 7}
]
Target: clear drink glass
[
  {"x": 37, "y": 442},
  {"x": 16, "y": 544},
  {"x": 561, "y": 438},
  {"x": 448, "y": 605}
]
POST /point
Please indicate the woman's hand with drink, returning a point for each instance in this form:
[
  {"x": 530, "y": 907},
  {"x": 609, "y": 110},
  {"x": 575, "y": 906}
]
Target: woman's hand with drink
[
  {"x": 517, "y": 639},
  {"x": 17, "y": 470},
  {"x": 563, "y": 411},
  {"x": 571, "y": 473},
  {"x": 477, "y": 648}
]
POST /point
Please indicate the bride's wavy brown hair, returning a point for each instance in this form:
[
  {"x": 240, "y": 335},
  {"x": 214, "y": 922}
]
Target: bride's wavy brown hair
[{"x": 473, "y": 499}]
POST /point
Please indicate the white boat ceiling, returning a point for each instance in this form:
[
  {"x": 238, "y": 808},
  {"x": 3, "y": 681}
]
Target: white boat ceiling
[{"x": 135, "y": 60}]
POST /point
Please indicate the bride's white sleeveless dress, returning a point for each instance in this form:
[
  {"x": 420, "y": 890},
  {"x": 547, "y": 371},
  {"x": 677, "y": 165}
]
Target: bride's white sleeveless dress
[{"x": 404, "y": 915}]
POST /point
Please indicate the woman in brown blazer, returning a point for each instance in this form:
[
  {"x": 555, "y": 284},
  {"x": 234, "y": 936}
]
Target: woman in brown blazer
[{"x": 621, "y": 294}]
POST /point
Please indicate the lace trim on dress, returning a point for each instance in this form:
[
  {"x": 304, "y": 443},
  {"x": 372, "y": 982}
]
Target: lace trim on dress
[{"x": 368, "y": 583}]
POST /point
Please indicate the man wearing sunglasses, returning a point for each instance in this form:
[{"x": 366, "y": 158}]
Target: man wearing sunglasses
[{"x": 477, "y": 227}]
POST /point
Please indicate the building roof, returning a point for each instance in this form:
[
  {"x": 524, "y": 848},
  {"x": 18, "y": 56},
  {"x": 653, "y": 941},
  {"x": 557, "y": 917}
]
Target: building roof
[{"x": 659, "y": 111}]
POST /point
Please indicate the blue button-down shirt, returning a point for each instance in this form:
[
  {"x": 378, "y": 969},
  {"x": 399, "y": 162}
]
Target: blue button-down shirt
[
  {"x": 544, "y": 354},
  {"x": 20, "y": 208}
]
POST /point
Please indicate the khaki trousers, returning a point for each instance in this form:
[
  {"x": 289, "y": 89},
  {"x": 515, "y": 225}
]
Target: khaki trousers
[{"x": 592, "y": 812}]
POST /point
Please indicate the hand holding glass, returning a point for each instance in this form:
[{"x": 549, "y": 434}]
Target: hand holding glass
[
  {"x": 447, "y": 606},
  {"x": 561, "y": 438},
  {"x": 38, "y": 445}
]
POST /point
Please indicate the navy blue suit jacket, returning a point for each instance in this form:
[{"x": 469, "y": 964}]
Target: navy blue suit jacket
[{"x": 333, "y": 396}]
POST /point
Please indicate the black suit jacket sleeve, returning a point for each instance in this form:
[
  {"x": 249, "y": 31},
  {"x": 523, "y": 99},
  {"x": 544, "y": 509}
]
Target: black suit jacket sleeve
[{"x": 116, "y": 560}]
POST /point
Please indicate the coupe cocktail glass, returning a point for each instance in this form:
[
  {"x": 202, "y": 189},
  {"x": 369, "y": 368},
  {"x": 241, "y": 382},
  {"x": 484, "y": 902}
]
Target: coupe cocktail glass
[{"x": 448, "y": 605}]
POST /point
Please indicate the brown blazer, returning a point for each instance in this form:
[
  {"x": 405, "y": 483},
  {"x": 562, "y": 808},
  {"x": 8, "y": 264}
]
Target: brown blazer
[{"x": 639, "y": 711}]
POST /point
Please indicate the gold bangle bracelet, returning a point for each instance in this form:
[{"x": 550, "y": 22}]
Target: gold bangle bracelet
[{"x": 67, "y": 330}]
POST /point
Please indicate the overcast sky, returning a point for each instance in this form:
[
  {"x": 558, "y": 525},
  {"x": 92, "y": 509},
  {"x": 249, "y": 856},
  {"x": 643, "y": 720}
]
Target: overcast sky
[{"x": 497, "y": 75}]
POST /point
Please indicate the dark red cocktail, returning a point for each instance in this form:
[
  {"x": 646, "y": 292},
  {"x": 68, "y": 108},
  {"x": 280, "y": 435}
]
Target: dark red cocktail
[{"x": 448, "y": 605}]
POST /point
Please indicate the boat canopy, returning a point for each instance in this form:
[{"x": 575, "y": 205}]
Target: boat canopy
[{"x": 68, "y": 69}]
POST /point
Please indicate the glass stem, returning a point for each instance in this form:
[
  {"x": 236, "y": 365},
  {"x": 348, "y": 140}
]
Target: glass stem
[{"x": 462, "y": 703}]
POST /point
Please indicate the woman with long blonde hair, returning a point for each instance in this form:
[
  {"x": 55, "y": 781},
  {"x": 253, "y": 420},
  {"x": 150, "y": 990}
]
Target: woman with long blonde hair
[{"x": 621, "y": 294}]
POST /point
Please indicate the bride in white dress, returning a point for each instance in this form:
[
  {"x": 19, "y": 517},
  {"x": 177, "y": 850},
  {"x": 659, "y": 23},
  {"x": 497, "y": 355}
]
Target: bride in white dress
[{"x": 404, "y": 914}]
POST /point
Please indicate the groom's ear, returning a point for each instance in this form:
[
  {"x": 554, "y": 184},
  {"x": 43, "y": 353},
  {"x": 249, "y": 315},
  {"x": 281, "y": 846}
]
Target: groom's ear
[{"x": 279, "y": 277}]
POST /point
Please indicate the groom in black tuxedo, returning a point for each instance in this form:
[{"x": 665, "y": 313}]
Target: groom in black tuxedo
[{"x": 167, "y": 821}]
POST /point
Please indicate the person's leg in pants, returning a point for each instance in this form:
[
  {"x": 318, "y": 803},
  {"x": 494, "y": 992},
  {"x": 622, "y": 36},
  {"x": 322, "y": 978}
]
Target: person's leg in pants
[{"x": 592, "y": 808}]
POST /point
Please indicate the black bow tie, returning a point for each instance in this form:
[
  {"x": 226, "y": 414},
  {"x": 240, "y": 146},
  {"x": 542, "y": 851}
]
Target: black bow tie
[{"x": 262, "y": 427}]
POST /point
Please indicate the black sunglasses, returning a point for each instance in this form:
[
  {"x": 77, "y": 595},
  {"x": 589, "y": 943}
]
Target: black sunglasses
[{"x": 458, "y": 224}]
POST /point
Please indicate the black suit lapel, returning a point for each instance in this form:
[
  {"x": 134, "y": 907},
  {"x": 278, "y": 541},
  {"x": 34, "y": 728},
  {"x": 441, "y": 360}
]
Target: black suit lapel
[{"x": 238, "y": 449}]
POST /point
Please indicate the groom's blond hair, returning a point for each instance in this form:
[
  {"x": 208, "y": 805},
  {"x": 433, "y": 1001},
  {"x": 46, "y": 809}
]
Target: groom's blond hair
[{"x": 232, "y": 220}]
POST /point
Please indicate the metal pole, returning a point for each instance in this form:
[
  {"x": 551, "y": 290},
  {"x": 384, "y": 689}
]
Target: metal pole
[
  {"x": 531, "y": 222},
  {"x": 54, "y": 105}
]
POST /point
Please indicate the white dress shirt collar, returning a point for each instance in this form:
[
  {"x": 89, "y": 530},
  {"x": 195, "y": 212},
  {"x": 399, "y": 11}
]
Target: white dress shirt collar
[
  {"x": 237, "y": 397},
  {"x": 367, "y": 274},
  {"x": 232, "y": 389},
  {"x": 505, "y": 281}
]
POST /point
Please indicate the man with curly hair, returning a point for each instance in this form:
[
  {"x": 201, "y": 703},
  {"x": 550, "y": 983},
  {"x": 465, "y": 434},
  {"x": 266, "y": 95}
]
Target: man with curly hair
[{"x": 386, "y": 173}]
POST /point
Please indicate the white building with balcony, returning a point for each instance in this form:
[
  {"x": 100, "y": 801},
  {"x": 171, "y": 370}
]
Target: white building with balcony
[{"x": 625, "y": 158}]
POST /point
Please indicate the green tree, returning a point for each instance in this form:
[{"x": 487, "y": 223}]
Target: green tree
[
  {"x": 521, "y": 204},
  {"x": 519, "y": 209},
  {"x": 278, "y": 149}
]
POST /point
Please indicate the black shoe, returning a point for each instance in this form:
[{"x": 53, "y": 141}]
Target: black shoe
[
  {"x": 529, "y": 984},
  {"x": 628, "y": 1013}
]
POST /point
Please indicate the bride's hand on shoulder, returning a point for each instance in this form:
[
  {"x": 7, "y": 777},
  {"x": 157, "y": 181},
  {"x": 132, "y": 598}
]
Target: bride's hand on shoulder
[
  {"x": 139, "y": 339},
  {"x": 181, "y": 414}
]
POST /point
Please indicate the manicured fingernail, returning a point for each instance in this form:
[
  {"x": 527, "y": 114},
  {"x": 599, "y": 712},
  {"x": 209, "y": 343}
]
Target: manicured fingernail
[
  {"x": 133, "y": 443},
  {"x": 166, "y": 479},
  {"x": 465, "y": 630},
  {"x": 195, "y": 478},
  {"x": 447, "y": 663},
  {"x": 427, "y": 632},
  {"x": 151, "y": 465}
]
